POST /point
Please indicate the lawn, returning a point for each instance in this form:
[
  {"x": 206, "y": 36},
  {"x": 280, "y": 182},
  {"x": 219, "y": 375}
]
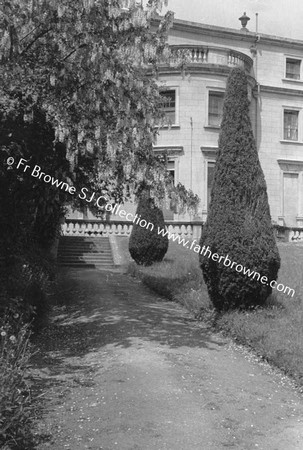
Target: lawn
[{"x": 274, "y": 332}]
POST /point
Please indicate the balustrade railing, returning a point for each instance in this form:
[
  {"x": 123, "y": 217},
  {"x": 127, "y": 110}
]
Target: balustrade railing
[
  {"x": 186, "y": 230},
  {"x": 197, "y": 54},
  {"x": 287, "y": 234},
  {"x": 98, "y": 228},
  {"x": 295, "y": 236}
]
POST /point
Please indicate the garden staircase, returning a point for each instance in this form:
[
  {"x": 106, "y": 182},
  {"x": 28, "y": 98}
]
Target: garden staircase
[{"x": 85, "y": 251}]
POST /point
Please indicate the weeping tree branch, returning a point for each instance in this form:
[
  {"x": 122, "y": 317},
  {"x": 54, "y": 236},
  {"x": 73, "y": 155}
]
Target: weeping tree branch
[
  {"x": 73, "y": 51},
  {"x": 35, "y": 40}
]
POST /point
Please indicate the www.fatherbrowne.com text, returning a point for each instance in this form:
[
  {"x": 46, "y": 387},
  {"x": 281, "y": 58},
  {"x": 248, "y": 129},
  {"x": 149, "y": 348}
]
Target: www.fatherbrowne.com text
[{"x": 205, "y": 251}]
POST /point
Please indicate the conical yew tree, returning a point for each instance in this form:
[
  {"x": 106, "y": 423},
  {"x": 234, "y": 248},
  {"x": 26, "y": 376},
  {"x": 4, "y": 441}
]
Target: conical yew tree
[
  {"x": 238, "y": 225},
  {"x": 146, "y": 246}
]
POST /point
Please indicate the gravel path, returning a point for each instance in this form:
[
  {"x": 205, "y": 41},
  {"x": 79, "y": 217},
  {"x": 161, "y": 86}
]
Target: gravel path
[{"x": 122, "y": 369}]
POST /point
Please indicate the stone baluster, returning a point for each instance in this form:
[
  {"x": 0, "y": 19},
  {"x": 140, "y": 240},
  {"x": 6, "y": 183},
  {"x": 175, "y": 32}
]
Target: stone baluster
[
  {"x": 127, "y": 229},
  {"x": 189, "y": 231},
  {"x": 171, "y": 229},
  {"x": 196, "y": 232},
  {"x": 65, "y": 229},
  {"x": 76, "y": 229},
  {"x": 107, "y": 229},
  {"x": 95, "y": 229},
  {"x": 194, "y": 55},
  {"x": 82, "y": 229},
  {"x": 200, "y": 55},
  {"x": 88, "y": 230}
]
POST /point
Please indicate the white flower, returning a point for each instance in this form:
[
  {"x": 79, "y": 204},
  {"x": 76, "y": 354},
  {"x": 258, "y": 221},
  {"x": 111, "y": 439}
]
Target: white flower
[
  {"x": 3, "y": 333},
  {"x": 16, "y": 316},
  {"x": 12, "y": 339}
]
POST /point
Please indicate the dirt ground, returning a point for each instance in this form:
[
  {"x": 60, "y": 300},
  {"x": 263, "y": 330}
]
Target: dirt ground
[{"x": 121, "y": 368}]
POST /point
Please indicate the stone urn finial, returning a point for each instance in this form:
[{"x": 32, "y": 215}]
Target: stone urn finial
[{"x": 244, "y": 19}]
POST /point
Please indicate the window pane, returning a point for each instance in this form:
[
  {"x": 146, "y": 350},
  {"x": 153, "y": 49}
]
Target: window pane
[
  {"x": 169, "y": 105},
  {"x": 169, "y": 98},
  {"x": 171, "y": 174},
  {"x": 293, "y": 68},
  {"x": 215, "y": 108},
  {"x": 291, "y": 125}
]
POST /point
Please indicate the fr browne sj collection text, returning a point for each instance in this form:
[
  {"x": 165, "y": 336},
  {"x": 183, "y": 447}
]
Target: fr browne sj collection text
[{"x": 36, "y": 172}]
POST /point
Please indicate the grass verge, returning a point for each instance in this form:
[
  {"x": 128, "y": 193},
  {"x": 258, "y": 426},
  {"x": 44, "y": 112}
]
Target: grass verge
[{"x": 274, "y": 332}]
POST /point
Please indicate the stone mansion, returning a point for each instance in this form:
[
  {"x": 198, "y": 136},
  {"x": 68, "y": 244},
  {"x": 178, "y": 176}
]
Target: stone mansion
[{"x": 194, "y": 103}]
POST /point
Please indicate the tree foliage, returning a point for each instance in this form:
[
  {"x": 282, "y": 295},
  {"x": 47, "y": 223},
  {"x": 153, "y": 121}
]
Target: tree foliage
[
  {"x": 146, "y": 245},
  {"x": 85, "y": 63},
  {"x": 30, "y": 208},
  {"x": 238, "y": 223}
]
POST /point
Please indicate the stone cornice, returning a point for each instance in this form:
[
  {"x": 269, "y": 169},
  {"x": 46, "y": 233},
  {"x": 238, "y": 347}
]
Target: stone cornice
[
  {"x": 209, "y": 151},
  {"x": 249, "y": 36},
  {"x": 170, "y": 149},
  {"x": 290, "y": 162},
  {"x": 281, "y": 90},
  {"x": 196, "y": 68},
  {"x": 201, "y": 69}
]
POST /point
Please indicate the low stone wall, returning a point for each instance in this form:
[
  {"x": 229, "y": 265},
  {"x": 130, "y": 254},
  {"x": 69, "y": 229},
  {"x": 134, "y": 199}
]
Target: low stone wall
[
  {"x": 189, "y": 230},
  {"x": 95, "y": 228},
  {"x": 285, "y": 234}
]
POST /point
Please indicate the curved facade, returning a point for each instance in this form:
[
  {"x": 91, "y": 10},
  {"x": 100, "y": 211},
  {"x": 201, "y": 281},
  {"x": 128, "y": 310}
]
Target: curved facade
[{"x": 275, "y": 71}]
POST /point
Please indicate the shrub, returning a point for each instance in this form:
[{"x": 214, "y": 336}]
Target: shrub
[
  {"x": 238, "y": 222},
  {"x": 146, "y": 246},
  {"x": 16, "y": 407},
  {"x": 26, "y": 279}
]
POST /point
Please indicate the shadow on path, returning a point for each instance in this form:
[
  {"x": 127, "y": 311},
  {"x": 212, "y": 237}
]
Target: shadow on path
[{"x": 95, "y": 308}]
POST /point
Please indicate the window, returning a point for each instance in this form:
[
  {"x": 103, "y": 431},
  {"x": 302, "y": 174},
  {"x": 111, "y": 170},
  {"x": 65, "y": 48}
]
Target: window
[
  {"x": 215, "y": 108},
  {"x": 291, "y": 125},
  {"x": 290, "y": 198},
  {"x": 293, "y": 68},
  {"x": 170, "y": 208},
  {"x": 210, "y": 179},
  {"x": 169, "y": 105}
]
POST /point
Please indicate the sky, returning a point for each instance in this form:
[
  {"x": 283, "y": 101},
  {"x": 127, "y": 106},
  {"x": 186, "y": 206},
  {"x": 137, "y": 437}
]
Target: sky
[{"x": 276, "y": 17}]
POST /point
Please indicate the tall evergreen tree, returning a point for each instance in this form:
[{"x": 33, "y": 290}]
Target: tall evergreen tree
[
  {"x": 239, "y": 223},
  {"x": 146, "y": 245}
]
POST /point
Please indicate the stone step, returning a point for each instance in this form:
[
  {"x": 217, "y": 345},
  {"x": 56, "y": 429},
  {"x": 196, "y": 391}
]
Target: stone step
[
  {"x": 85, "y": 255},
  {"x": 80, "y": 251},
  {"x": 84, "y": 244},
  {"x": 85, "y": 249},
  {"x": 83, "y": 239},
  {"x": 87, "y": 258},
  {"x": 87, "y": 266}
]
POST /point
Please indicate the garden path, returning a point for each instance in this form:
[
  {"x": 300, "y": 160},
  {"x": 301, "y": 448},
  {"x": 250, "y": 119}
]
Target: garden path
[{"x": 121, "y": 368}]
